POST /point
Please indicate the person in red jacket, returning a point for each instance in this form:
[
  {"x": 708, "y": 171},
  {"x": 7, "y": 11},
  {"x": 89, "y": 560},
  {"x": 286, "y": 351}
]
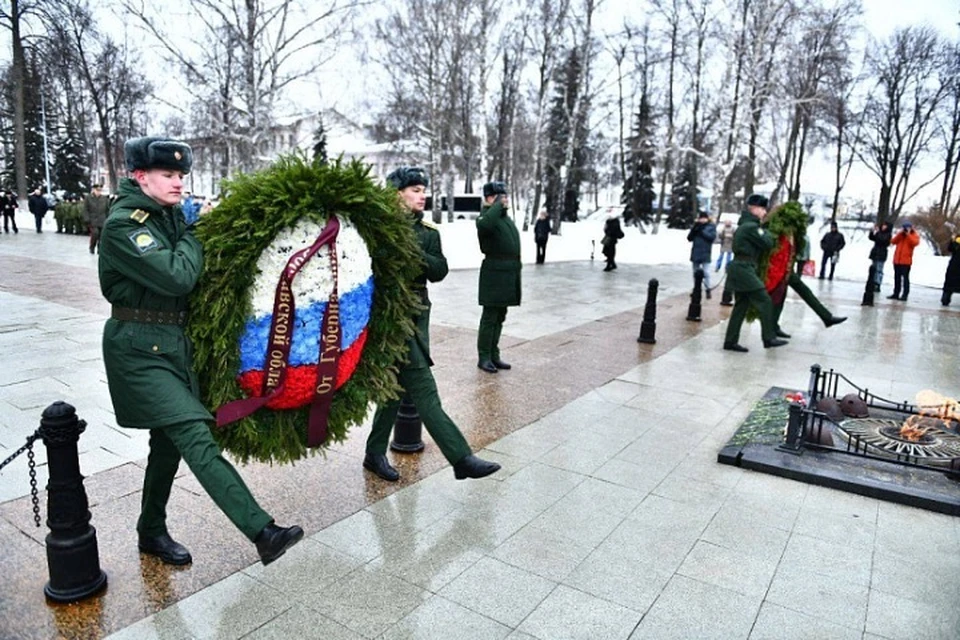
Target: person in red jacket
[{"x": 905, "y": 241}]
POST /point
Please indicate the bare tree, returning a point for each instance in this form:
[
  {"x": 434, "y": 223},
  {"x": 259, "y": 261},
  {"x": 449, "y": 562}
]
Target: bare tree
[
  {"x": 670, "y": 10},
  {"x": 116, "y": 90},
  {"x": 247, "y": 56},
  {"x": 950, "y": 132},
  {"x": 20, "y": 10},
  {"x": 818, "y": 57},
  {"x": 545, "y": 43},
  {"x": 899, "y": 112}
]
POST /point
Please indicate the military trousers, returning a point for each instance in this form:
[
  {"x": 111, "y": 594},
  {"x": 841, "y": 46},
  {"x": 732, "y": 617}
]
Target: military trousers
[
  {"x": 795, "y": 283},
  {"x": 488, "y": 337},
  {"x": 194, "y": 443},
  {"x": 422, "y": 389},
  {"x": 760, "y": 300}
]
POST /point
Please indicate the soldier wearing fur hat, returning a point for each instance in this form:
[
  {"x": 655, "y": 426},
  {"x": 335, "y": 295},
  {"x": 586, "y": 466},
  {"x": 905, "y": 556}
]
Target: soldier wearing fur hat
[
  {"x": 499, "y": 273},
  {"x": 415, "y": 376},
  {"x": 95, "y": 207},
  {"x": 149, "y": 263},
  {"x": 749, "y": 243}
]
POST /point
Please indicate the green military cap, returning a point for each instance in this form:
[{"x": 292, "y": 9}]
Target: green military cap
[
  {"x": 494, "y": 188},
  {"x": 404, "y": 177},
  {"x": 157, "y": 153}
]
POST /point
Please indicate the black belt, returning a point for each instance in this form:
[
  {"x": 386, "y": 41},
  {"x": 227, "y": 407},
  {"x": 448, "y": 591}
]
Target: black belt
[
  {"x": 501, "y": 256},
  {"x": 149, "y": 316},
  {"x": 747, "y": 260}
]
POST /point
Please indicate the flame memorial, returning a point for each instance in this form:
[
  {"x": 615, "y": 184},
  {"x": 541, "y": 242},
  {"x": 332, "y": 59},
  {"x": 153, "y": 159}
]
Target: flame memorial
[{"x": 840, "y": 435}]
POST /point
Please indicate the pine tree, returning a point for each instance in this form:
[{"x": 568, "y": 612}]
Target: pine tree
[
  {"x": 563, "y": 190},
  {"x": 684, "y": 204},
  {"x": 638, "y": 191},
  {"x": 320, "y": 140},
  {"x": 71, "y": 173}
]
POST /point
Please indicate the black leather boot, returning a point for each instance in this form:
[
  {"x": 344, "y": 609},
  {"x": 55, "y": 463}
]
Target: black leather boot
[
  {"x": 473, "y": 467},
  {"x": 274, "y": 541},
  {"x": 733, "y": 346},
  {"x": 166, "y": 548},
  {"x": 776, "y": 342},
  {"x": 378, "y": 463},
  {"x": 500, "y": 364},
  {"x": 487, "y": 366}
]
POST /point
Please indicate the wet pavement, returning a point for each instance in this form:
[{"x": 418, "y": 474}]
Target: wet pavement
[{"x": 610, "y": 518}]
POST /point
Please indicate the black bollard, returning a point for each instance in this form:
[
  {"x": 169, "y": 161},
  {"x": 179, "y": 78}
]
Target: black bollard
[
  {"x": 72, "y": 555},
  {"x": 869, "y": 288},
  {"x": 693, "y": 311},
  {"x": 648, "y": 328},
  {"x": 407, "y": 430}
]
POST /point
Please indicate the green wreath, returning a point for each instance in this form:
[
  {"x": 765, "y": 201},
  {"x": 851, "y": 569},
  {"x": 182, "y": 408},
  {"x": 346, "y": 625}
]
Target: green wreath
[
  {"x": 787, "y": 219},
  {"x": 235, "y": 233}
]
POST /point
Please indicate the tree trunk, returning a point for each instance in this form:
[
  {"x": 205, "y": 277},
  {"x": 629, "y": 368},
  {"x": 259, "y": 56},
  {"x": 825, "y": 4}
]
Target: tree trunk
[{"x": 19, "y": 134}]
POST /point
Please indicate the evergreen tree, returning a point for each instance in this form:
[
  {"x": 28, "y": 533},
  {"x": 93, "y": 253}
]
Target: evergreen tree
[
  {"x": 320, "y": 140},
  {"x": 684, "y": 204},
  {"x": 33, "y": 130},
  {"x": 638, "y": 191},
  {"x": 70, "y": 172},
  {"x": 563, "y": 188}
]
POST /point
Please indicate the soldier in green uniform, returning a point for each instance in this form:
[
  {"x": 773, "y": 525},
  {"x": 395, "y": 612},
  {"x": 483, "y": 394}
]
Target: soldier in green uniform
[
  {"x": 415, "y": 376},
  {"x": 499, "y": 273},
  {"x": 95, "y": 207},
  {"x": 749, "y": 242},
  {"x": 149, "y": 263}
]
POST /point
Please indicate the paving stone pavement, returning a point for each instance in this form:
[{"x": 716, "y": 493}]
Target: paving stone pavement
[{"x": 610, "y": 518}]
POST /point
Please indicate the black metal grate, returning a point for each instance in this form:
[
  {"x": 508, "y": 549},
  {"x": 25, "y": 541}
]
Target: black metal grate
[{"x": 875, "y": 437}]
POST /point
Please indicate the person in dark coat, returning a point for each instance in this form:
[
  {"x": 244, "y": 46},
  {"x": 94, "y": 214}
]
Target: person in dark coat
[
  {"x": 831, "y": 243},
  {"x": 702, "y": 235},
  {"x": 541, "y": 233},
  {"x": 38, "y": 206},
  {"x": 414, "y": 373},
  {"x": 749, "y": 243},
  {"x": 499, "y": 286},
  {"x": 95, "y": 206},
  {"x": 611, "y": 234},
  {"x": 149, "y": 263},
  {"x": 10, "y": 207},
  {"x": 951, "y": 280},
  {"x": 881, "y": 236}
]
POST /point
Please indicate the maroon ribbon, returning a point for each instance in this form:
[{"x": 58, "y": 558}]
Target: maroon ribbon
[{"x": 281, "y": 337}]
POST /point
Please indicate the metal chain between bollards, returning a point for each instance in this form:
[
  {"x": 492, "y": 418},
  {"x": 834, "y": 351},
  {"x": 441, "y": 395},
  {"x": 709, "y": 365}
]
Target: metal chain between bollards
[{"x": 32, "y": 467}]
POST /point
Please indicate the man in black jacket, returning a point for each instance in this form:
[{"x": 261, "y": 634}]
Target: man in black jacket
[
  {"x": 38, "y": 206},
  {"x": 881, "y": 241},
  {"x": 831, "y": 243},
  {"x": 9, "y": 203}
]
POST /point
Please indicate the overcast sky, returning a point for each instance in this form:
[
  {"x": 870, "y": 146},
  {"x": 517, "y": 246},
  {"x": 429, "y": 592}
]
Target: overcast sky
[{"x": 346, "y": 86}]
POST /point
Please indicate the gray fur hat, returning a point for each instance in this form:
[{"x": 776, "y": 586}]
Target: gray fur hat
[
  {"x": 494, "y": 188},
  {"x": 152, "y": 152},
  {"x": 404, "y": 177}
]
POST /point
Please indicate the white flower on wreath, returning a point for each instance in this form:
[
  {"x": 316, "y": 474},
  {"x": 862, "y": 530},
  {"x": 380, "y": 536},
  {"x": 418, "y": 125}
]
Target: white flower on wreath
[{"x": 314, "y": 281}]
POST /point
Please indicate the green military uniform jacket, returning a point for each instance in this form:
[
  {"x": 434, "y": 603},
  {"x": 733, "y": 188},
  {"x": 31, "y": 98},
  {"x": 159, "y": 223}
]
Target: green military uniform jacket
[
  {"x": 749, "y": 242},
  {"x": 500, "y": 270},
  {"x": 435, "y": 270},
  {"x": 95, "y": 209},
  {"x": 149, "y": 260}
]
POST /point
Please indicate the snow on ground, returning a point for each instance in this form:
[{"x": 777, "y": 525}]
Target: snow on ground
[{"x": 670, "y": 246}]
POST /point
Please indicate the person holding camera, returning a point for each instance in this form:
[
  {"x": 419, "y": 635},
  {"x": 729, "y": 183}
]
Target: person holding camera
[
  {"x": 701, "y": 237},
  {"x": 499, "y": 273}
]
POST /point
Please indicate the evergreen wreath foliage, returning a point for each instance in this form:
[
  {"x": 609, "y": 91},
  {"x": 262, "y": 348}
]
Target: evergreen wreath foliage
[
  {"x": 236, "y": 232},
  {"x": 787, "y": 219}
]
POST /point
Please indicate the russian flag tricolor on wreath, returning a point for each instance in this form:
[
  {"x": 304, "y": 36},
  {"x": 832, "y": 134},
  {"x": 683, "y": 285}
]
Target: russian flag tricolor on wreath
[{"x": 304, "y": 306}]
